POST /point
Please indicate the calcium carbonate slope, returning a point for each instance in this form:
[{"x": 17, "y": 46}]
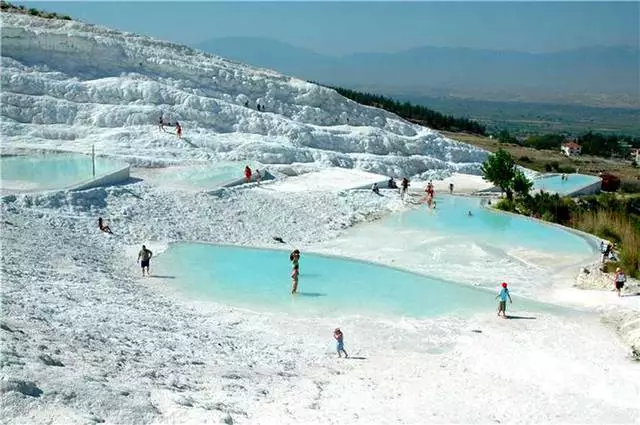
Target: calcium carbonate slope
[{"x": 68, "y": 85}]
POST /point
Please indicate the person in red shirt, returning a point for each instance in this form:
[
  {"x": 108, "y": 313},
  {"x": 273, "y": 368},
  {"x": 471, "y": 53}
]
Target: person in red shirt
[
  {"x": 178, "y": 129},
  {"x": 247, "y": 174}
]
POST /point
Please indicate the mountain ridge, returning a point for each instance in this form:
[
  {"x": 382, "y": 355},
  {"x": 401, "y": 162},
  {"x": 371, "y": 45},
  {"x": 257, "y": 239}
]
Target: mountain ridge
[{"x": 590, "y": 72}]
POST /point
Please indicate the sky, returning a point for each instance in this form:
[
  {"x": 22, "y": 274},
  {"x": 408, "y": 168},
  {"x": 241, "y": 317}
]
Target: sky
[{"x": 339, "y": 28}]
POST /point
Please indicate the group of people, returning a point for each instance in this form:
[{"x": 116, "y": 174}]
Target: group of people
[
  {"x": 161, "y": 125},
  {"x": 258, "y": 106},
  {"x": 620, "y": 278},
  {"x": 248, "y": 174},
  {"x": 607, "y": 251},
  {"x": 144, "y": 255}
]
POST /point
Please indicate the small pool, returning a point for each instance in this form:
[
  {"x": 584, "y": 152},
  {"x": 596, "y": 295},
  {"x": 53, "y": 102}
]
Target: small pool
[
  {"x": 209, "y": 176},
  {"x": 450, "y": 221},
  {"x": 51, "y": 171},
  {"x": 556, "y": 184},
  {"x": 260, "y": 280}
]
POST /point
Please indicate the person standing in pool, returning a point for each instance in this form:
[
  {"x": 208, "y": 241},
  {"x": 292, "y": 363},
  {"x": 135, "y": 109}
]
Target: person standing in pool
[
  {"x": 503, "y": 295},
  {"x": 405, "y": 187},
  {"x": 294, "y": 257},
  {"x": 144, "y": 256},
  {"x": 451, "y": 188},
  {"x": 339, "y": 337},
  {"x": 294, "y": 279}
]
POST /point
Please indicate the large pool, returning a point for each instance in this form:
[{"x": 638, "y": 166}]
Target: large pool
[
  {"x": 451, "y": 222},
  {"x": 555, "y": 183},
  {"x": 259, "y": 279},
  {"x": 51, "y": 171}
]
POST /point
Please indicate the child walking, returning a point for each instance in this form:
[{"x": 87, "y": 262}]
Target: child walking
[
  {"x": 337, "y": 334},
  {"x": 503, "y": 295}
]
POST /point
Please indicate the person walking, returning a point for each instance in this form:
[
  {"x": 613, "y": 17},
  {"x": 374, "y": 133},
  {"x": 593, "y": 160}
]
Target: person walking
[
  {"x": 144, "y": 257},
  {"x": 619, "y": 280},
  {"x": 503, "y": 295}
]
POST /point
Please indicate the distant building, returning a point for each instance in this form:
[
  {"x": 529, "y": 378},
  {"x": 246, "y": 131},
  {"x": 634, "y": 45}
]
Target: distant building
[{"x": 571, "y": 149}]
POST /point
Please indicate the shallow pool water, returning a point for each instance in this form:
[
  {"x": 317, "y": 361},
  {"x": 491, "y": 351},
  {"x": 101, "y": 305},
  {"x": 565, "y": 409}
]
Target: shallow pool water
[
  {"x": 259, "y": 279},
  {"x": 51, "y": 171},
  {"x": 450, "y": 221},
  {"x": 556, "y": 184},
  {"x": 209, "y": 176}
]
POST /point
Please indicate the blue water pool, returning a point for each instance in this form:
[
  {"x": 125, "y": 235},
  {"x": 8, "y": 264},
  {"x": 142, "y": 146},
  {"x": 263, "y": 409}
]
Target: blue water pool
[
  {"x": 260, "y": 279},
  {"x": 210, "y": 176},
  {"x": 51, "y": 171},
  {"x": 450, "y": 221},
  {"x": 556, "y": 184}
]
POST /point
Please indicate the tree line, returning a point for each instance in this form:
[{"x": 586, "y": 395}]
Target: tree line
[
  {"x": 5, "y": 6},
  {"x": 415, "y": 113}
]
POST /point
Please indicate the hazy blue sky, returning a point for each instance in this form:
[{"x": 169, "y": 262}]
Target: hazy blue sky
[{"x": 341, "y": 27}]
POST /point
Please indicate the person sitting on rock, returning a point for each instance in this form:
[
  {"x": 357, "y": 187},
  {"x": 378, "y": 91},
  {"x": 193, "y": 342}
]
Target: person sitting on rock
[{"x": 103, "y": 227}]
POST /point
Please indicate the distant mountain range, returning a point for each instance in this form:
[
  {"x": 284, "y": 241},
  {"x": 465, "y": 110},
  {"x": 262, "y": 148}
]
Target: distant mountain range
[{"x": 594, "y": 75}]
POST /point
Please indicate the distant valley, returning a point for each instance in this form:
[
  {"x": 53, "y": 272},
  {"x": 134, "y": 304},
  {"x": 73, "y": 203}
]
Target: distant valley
[{"x": 585, "y": 89}]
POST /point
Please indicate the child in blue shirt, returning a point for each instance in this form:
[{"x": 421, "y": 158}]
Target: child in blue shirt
[
  {"x": 337, "y": 334},
  {"x": 503, "y": 295}
]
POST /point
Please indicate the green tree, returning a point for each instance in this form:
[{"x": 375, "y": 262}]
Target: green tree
[
  {"x": 521, "y": 184},
  {"x": 500, "y": 169}
]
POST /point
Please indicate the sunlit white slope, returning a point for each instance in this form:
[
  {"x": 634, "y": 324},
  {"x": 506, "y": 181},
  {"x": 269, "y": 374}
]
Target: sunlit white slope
[{"x": 68, "y": 85}]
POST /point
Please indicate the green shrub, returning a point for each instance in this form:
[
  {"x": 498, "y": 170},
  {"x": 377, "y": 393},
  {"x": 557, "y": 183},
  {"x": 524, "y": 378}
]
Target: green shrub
[
  {"x": 506, "y": 204},
  {"x": 548, "y": 167},
  {"x": 525, "y": 159},
  {"x": 34, "y": 12},
  {"x": 567, "y": 170},
  {"x": 630, "y": 186},
  {"x": 548, "y": 216}
]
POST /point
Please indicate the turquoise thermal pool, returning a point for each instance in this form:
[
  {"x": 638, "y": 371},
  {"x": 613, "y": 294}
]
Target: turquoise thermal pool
[
  {"x": 556, "y": 184},
  {"x": 260, "y": 280},
  {"x": 450, "y": 221},
  {"x": 51, "y": 171},
  {"x": 210, "y": 176}
]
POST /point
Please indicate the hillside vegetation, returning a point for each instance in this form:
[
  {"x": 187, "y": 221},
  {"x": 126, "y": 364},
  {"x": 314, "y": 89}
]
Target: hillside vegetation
[
  {"x": 413, "y": 113},
  {"x": 5, "y": 6},
  {"x": 552, "y": 160}
]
